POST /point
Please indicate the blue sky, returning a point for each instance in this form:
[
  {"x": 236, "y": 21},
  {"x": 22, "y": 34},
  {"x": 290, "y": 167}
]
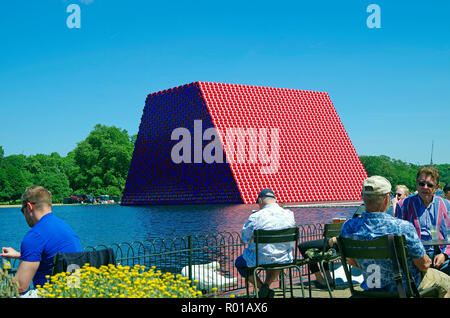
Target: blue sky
[{"x": 390, "y": 86}]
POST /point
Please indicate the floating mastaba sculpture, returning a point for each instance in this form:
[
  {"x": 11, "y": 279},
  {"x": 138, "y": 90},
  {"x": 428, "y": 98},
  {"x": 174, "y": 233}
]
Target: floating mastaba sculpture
[{"x": 223, "y": 143}]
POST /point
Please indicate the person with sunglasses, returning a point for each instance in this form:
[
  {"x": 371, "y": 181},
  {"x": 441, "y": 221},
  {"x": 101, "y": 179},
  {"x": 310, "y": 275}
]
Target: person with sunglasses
[
  {"x": 447, "y": 191},
  {"x": 428, "y": 212},
  {"x": 374, "y": 223},
  {"x": 48, "y": 235},
  {"x": 401, "y": 192}
]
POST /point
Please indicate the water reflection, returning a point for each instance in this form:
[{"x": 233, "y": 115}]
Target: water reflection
[{"x": 107, "y": 224}]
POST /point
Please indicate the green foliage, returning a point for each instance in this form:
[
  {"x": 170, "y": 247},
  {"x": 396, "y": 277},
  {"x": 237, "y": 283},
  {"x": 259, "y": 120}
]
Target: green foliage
[
  {"x": 399, "y": 172},
  {"x": 18, "y": 172},
  {"x": 13, "y": 177},
  {"x": 98, "y": 165},
  {"x": 48, "y": 171},
  {"x": 444, "y": 173}
]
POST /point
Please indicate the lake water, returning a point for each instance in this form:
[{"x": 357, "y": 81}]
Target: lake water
[{"x": 107, "y": 224}]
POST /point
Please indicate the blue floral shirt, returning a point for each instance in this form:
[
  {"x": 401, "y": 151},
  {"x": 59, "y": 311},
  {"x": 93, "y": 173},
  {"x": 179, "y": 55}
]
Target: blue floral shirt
[
  {"x": 378, "y": 273},
  {"x": 271, "y": 217}
]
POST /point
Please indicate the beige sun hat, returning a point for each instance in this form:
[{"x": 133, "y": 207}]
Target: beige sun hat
[{"x": 376, "y": 185}]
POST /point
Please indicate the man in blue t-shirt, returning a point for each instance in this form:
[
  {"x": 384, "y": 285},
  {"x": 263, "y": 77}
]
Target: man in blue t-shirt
[{"x": 48, "y": 235}]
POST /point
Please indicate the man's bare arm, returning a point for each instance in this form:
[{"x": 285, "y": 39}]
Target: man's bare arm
[
  {"x": 25, "y": 274},
  {"x": 9, "y": 252},
  {"x": 422, "y": 263}
]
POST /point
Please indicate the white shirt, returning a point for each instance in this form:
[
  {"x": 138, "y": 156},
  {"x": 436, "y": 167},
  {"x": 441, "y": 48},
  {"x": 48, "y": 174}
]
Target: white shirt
[{"x": 271, "y": 217}]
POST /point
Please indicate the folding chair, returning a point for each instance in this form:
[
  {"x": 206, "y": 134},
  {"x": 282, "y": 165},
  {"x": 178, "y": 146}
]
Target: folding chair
[
  {"x": 325, "y": 255},
  {"x": 96, "y": 258},
  {"x": 273, "y": 237},
  {"x": 389, "y": 247}
]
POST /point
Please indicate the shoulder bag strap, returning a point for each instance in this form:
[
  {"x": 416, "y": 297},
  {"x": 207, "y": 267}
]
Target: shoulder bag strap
[{"x": 396, "y": 267}]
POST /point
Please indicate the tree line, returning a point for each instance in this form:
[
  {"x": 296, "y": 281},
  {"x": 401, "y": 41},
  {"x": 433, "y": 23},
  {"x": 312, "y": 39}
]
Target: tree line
[
  {"x": 99, "y": 165},
  {"x": 399, "y": 172}
]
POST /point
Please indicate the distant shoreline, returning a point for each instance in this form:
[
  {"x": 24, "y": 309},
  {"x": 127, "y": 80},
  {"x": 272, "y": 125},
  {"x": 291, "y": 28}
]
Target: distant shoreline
[
  {"x": 54, "y": 204},
  {"x": 19, "y": 205},
  {"x": 325, "y": 204}
]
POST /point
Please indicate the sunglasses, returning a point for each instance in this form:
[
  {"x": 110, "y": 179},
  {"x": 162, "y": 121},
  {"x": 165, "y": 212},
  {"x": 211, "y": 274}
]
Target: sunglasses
[
  {"x": 423, "y": 183},
  {"x": 398, "y": 194},
  {"x": 24, "y": 206}
]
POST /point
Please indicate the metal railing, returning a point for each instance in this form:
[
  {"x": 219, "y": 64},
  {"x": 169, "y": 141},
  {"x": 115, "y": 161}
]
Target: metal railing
[{"x": 208, "y": 259}]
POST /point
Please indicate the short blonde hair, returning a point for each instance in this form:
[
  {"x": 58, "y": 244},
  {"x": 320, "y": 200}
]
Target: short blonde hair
[
  {"x": 38, "y": 195},
  {"x": 404, "y": 188}
]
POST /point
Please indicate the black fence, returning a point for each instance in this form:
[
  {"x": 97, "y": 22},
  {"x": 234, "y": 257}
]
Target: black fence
[{"x": 207, "y": 259}]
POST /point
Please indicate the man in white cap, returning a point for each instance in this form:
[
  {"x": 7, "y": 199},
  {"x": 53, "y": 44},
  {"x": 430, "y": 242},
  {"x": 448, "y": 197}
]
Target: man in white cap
[
  {"x": 374, "y": 223},
  {"x": 270, "y": 217}
]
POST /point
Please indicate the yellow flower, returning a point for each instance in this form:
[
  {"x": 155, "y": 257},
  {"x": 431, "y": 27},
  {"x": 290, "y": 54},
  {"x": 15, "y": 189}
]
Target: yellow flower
[{"x": 119, "y": 281}]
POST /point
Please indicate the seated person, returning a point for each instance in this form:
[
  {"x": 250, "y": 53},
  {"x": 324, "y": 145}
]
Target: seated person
[
  {"x": 447, "y": 191},
  {"x": 401, "y": 192},
  {"x": 313, "y": 267},
  {"x": 319, "y": 282},
  {"x": 48, "y": 235},
  {"x": 427, "y": 211},
  {"x": 375, "y": 223},
  {"x": 270, "y": 217}
]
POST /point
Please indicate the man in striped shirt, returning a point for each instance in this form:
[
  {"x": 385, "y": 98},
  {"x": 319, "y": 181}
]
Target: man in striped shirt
[{"x": 428, "y": 213}]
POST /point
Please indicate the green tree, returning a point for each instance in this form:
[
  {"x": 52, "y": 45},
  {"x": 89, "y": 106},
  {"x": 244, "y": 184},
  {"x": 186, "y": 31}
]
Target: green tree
[
  {"x": 13, "y": 178},
  {"x": 399, "y": 172},
  {"x": 444, "y": 173},
  {"x": 99, "y": 164},
  {"x": 49, "y": 172}
]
